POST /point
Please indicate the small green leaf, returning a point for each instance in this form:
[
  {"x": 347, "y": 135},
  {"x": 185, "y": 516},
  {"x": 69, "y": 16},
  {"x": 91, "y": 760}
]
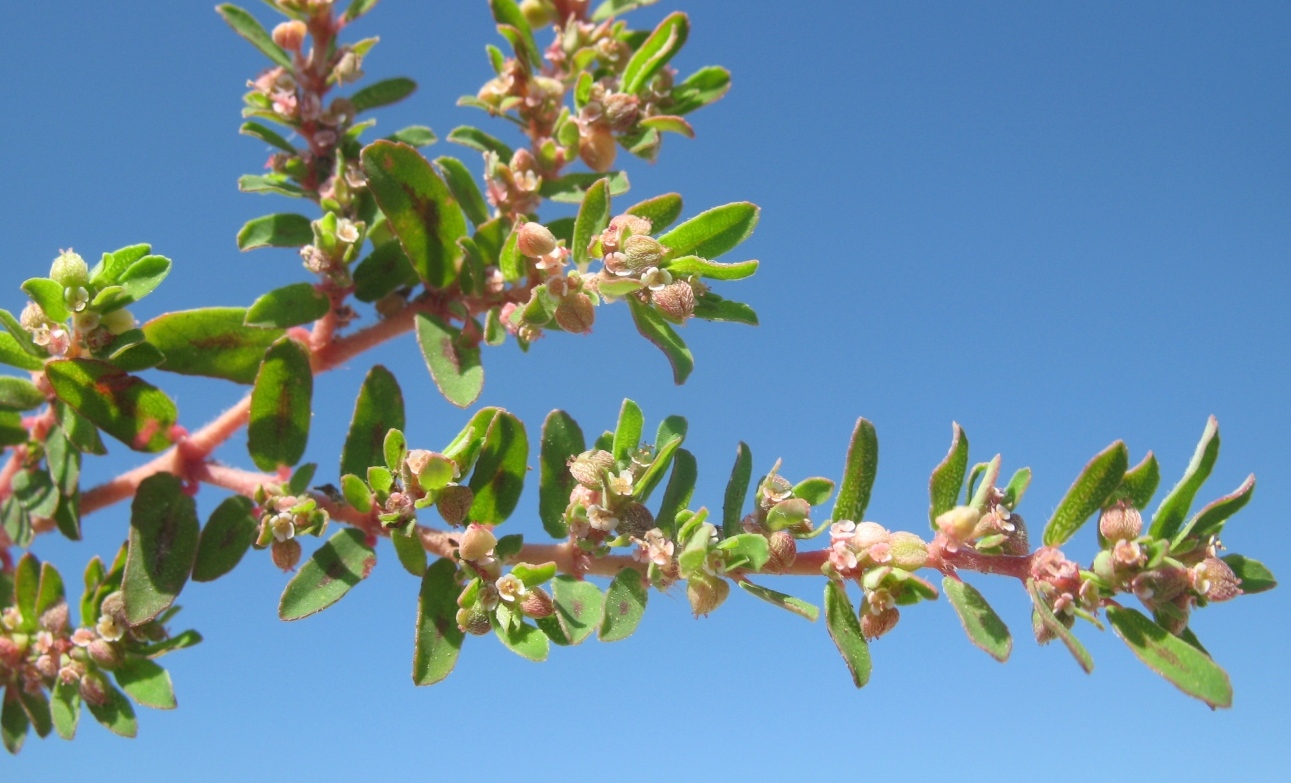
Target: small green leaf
[
  {"x": 146, "y": 682},
  {"x": 573, "y": 188},
  {"x": 137, "y": 281},
  {"x": 654, "y": 328},
  {"x": 162, "y": 545},
  {"x": 420, "y": 208},
  {"x": 678, "y": 493},
  {"x": 983, "y": 626},
  {"x": 385, "y": 270},
  {"x": 414, "y": 136},
  {"x": 1174, "y": 506},
  {"x": 477, "y": 139},
  {"x": 357, "y": 8},
  {"x": 694, "y": 265},
  {"x": 245, "y": 25},
  {"x": 83, "y": 435},
  {"x": 617, "y": 8},
  {"x": 737, "y": 489},
  {"x": 845, "y": 629},
  {"x": 225, "y": 539},
  {"x": 13, "y": 721},
  {"x": 462, "y": 183},
  {"x": 180, "y": 641},
  {"x": 268, "y": 136},
  {"x": 278, "y": 429},
  {"x": 859, "y": 470},
  {"x": 593, "y": 218},
  {"x": 700, "y": 89},
  {"x": 454, "y": 365},
  {"x": 662, "y": 211},
  {"x": 524, "y": 640},
  {"x": 1255, "y": 577},
  {"x": 13, "y": 354},
  {"x": 1186, "y": 667},
  {"x": 382, "y": 93},
  {"x": 562, "y": 438},
  {"x": 746, "y": 550},
  {"x": 408, "y": 548},
  {"x": 279, "y": 184},
  {"x": 670, "y": 436},
  {"x": 1016, "y": 488},
  {"x": 291, "y": 305},
  {"x": 627, "y": 434},
  {"x": 1139, "y": 484},
  {"x": 439, "y": 640},
  {"x": 711, "y": 307},
  {"x": 19, "y": 335},
  {"x": 625, "y": 603},
  {"x": 36, "y": 705},
  {"x": 116, "y": 714},
  {"x": 26, "y": 588},
  {"x": 1210, "y": 520},
  {"x": 340, "y": 564},
  {"x": 284, "y": 230},
  {"x": 1050, "y": 621},
  {"x": 1092, "y": 487},
  {"x": 500, "y": 469},
  {"x": 65, "y": 708},
  {"x": 19, "y": 394},
  {"x": 378, "y": 409},
  {"x": 712, "y": 233},
  {"x": 50, "y": 592},
  {"x": 948, "y": 477},
  {"x": 49, "y": 295},
  {"x": 127, "y": 408},
  {"x": 579, "y": 606},
  {"x": 787, "y": 602},
  {"x": 655, "y": 52},
  {"x": 214, "y": 342},
  {"x": 12, "y": 433},
  {"x": 507, "y": 13}
]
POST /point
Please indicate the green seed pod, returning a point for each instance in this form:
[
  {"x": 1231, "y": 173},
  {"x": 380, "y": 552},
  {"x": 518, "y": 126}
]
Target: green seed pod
[{"x": 70, "y": 270}]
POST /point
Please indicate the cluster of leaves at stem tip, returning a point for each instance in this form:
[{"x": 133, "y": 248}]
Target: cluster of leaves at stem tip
[{"x": 462, "y": 266}]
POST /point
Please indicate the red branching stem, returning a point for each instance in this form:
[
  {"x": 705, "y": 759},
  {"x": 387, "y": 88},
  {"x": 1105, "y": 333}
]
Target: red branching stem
[
  {"x": 10, "y": 469},
  {"x": 967, "y": 559}
]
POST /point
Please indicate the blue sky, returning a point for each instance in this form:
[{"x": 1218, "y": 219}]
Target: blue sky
[{"x": 1056, "y": 224}]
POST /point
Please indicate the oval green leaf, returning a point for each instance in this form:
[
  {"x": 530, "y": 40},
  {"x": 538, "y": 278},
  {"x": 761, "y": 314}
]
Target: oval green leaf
[
  {"x": 125, "y": 407},
  {"x": 500, "y": 469},
  {"x": 291, "y": 305},
  {"x": 1183, "y": 665},
  {"x": 562, "y": 438},
  {"x": 161, "y": 548},
  {"x": 146, "y": 682},
  {"x": 340, "y": 564},
  {"x": 225, "y": 539},
  {"x": 1092, "y": 487},
  {"x": 213, "y": 342},
  {"x": 281, "y": 230},
  {"x": 378, "y": 409},
  {"x": 439, "y": 640},
  {"x": 712, "y": 233},
  {"x": 983, "y": 626},
  {"x": 845, "y": 629},
  {"x": 1174, "y": 506},
  {"x": 278, "y": 429},
  {"x": 948, "y": 477},
  {"x": 625, "y": 604}
]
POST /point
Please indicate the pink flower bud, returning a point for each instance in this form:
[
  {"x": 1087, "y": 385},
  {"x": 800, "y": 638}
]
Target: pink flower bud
[
  {"x": 94, "y": 689},
  {"x": 590, "y": 467},
  {"x": 576, "y": 314},
  {"x": 958, "y": 523},
  {"x": 290, "y": 35},
  {"x": 635, "y": 519},
  {"x": 875, "y": 625},
  {"x": 477, "y": 542},
  {"x": 10, "y": 653},
  {"x": 1120, "y": 522},
  {"x": 1214, "y": 579},
  {"x": 784, "y": 551},
  {"x": 537, "y": 604},
  {"x": 285, "y": 554},
  {"x": 104, "y": 653},
  {"x": 622, "y": 111},
  {"x": 597, "y": 147},
  {"x": 535, "y": 240},
  {"x": 706, "y": 593},
  {"x": 454, "y": 503},
  {"x": 676, "y": 301},
  {"x": 55, "y": 619},
  {"x": 908, "y": 551}
]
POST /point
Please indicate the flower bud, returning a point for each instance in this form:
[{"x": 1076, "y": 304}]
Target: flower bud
[
  {"x": 635, "y": 519},
  {"x": 10, "y": 653},
  {"x": 706, "y": 593},
  {"x": 454, "y": 503},
  {"x": 1214, "y": 579},
  {"x": 576, "y": 313},
  {"x": 348, "y": 69},
  {"x": 1017, "y": 543},
  {"x": 477, "y": 542},
  {"x": 589, "y": 468},
  {"x": 537, "y": 604},
  {"x": 114, "y": 606},
  {"x": 784, "y": 551},
  {"x": 104, "y": 653},
  {"x": 875, "y": 625},
  {"x": 676, "y": 301},
  {"x": 909, "y": 552},
  {"x": 538, "y": 13},
  {"x": 474, "y": 621},
  {"x": 55, "y": 619},
  {"x": 285, "y": 554},
  {"x": 290, "y": 35},
  {"x": 1160, "y": 584},
  {"x": 118, "y": 321},
  {"x": 622, "y": 111},
  {"x": 94, "y": 689},
  {"x": 596, "y": 148},
  {"x": 642, "y": 252},
  {"x": 70, "y": 270},
  {"x": 959, "y": 522},
  {"x": 534, "y": 240},
  {"x": 1120, "y": 522}
]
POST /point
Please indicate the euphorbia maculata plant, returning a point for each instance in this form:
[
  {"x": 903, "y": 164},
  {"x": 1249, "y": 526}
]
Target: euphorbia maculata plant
[{"x": 464, "y": 267}]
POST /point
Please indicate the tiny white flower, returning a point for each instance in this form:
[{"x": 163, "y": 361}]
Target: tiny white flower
[
  {"x": 510, "y": 588},
  {"x": 346, "y": 231},
  {"x": 109, "y": 629},
  {"x": 283, "y": 526},
  {"x": 655, "y": 278},
  {"x": 622, "y": 483}
]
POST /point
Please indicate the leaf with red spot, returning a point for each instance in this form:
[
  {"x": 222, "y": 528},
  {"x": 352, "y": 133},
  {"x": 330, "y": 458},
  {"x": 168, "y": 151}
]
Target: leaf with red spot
[
  {"x": 161, "y": 548},
  {"x": 126, "y": 407},
  {"x": 278, "y": 429},
  {"x": 213, "y": 342},
  {"x": 344, "y": 561},
  {"x": 454, "y": 362}
]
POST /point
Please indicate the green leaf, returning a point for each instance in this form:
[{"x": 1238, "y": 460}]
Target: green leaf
[
  {"x": 593, "y": 218},
  {"x": 35, "y": 490},
  {"x": 420, "y": 208},
  {"x": 625, "y": 603},
  {"x": 357, "y": 8},
  {"x": 245, "y": 25},
  {"x": 125, "y": 407},
  {"x": 439, "y": 640},
  {"x": 225, "y": 539},
  {"x": 382, "y": 93},
  {"x": 340, "y": 564},
  {"x": 65, "y": 708},
  {"x": 627, "y": 434},
  {"x": 279, "y": 184},
  {"x": 500, "y": 468},
  {"x": 477, "y": 139},
  {"x": 268, "y": 136},
  {"x": 670, "y": 436},
  {"x": 411, "y": 554},
  {"x": 617, "y": 8},
  {"x": 712, "y": 233},
  {"x": 116, "y": 714},
  {"x": 12, "y": 433},
  {"x": 694, "y": 265},
  {"x": 213, "y": 342},
  {"x": 654, "y": 328},
  {"x": 737, "y": 489},
  {"x": 283, "y": 230},
  {"x": 16, "y": 522},
  {"x": 13, "y": 721},
  {"x": 378, "y": 409},
  {"x": 700, "y": 89},
  {"x": 13, "y": 354},
  {"x": 1174, "y": 506},
  {"x": 19, "y": 394},
  {"x": 20, "y": 336},
  {"x": 37, "y": 708},
  {"x": 26, "y": 588},
  {"x": 462, "y": 183},
  {"x": 711, "y": 307},
  {"x": 50, "y": 592},
  {"x": 983, "y": 626},
  {"x": 787, "y": 602},
  {"x": 859, "y": 470},
  {"x": 680, "y": 489},
  {"x": 137, "y": 281},
  {"x": 1186, "y": 667},
  {"x": 49, "y": 295},
  {"x": 1255, "y": 577},
  {"x": 64, "y": 461},
  {"x": 414, "y": 136},
  {"x": 454, "y": 365},
  {"x": 662, "y": 211},
  {"x": 845, "y": 629},
  {"x": 562, "y": 439},
  {"x": 383, "y": 271},
  {"x": 1092, "y": 487},
  {"x": 161, "y": 548},
  {"x": 524, "y": 640},
  {"x": 1139, "y": 484},
  {"x": 1210, "y": 520},
  {"x": 746, "y": 550},
  {"x": 1050, "y": 621},
  {"x": 948, "y": 477},
  {"x": 83, "y": 435},
  {"x": 579, "y": 606},
  {"x": 655, "y": 52},
  {"x": 180, "y": 641},
  {"x": 291, "y": 305},
  {"x": 146, "y": 682},
  {"x": 278, "y": 429},
  {"x": 573, "y": 188}
]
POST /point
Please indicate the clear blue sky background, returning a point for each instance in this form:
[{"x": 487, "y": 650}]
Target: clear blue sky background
[{"x": 1056, "y": 224}]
